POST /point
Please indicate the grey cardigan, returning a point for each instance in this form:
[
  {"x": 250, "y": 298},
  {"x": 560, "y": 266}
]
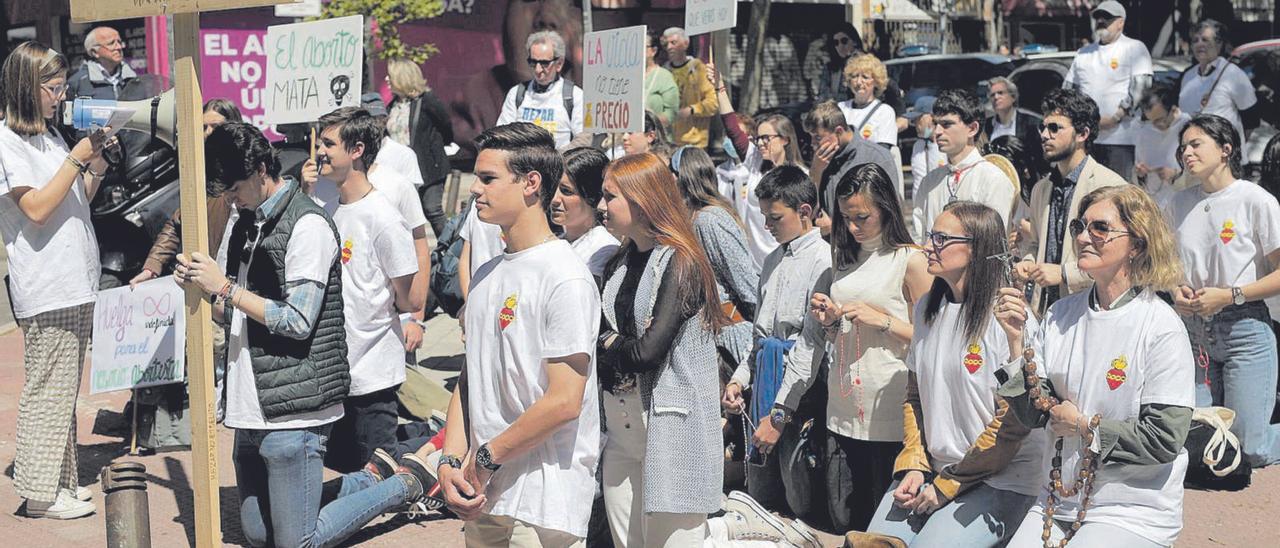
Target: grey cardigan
[{"x": 683, "y": 460}]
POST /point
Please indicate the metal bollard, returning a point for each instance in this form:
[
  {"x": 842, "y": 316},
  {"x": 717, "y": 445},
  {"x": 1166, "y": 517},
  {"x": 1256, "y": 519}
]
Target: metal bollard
[{"x": 128, "y": 515}]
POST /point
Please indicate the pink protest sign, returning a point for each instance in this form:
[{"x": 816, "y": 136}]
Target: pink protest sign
[{"x": 233, "y": 66}]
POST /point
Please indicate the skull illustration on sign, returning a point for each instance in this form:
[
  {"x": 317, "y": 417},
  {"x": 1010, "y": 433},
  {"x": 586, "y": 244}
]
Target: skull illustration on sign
[{"x": 339, "y": 86}]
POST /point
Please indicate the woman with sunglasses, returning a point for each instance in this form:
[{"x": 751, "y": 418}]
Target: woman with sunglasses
[
  {"x": 775, "y": 144},
  {"x": 1110, "y": 379},
  {"x": 1229, "y": 239},
  {"x": 879, "y": 277},
  {"x": 662, "y": 465},
  {"x": 53, "y": 271},
  {"x": 965, "y": 477},
  {"x": 574, "y": 208}
]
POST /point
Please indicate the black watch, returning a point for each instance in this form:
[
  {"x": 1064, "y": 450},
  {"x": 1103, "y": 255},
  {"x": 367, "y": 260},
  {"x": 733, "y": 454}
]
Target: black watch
[
  {"x": 485, "y": 459},
  {"x": 450, "y": 460},
  {"x": 779, "y": 416}
]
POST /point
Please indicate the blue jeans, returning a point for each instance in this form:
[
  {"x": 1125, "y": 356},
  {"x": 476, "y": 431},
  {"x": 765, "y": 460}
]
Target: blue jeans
[
  {"x": 279, "y": 475},
  {"x": 1241, "y": 350},
  {"x": 981, "y": 516}
]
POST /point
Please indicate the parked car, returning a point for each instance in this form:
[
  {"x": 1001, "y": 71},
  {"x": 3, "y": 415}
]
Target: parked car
[
  {"x": 1261, "y": 61},
  {"x": 927, "y": 75}
]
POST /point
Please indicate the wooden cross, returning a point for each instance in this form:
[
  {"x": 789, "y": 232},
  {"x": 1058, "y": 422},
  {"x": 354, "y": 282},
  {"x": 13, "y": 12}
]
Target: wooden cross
[{"x": 195, "y": 228}]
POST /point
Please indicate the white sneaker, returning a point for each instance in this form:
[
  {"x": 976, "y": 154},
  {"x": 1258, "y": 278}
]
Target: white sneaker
[
  {"x": 81, "y": 493},
  {"x": 801, "y": 535},
  {"x": 756, "y": 523},
  {"x": 64, "y": 507}
]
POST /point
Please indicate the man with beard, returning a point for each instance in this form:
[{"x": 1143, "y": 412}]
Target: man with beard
[{"x": 1067, "y": 134}]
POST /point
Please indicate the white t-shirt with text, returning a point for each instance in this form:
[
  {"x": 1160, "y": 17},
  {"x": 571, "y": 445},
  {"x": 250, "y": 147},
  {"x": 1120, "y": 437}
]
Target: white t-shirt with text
[
  {"x": 377, "y": 247},
  {"x": 546, "y": 110},
  {"x": 525, "y": 309}
]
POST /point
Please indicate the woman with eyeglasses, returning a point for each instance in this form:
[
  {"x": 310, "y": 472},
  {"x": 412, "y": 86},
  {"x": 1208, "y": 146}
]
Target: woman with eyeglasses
[
  {"x": 661, "y": 95},
  {"x": 53, "y": 273},
  {"x": 574, "y": 208},
  {"x": 878, "y": 278},
  {"x": 965, "y": 476},
  {"x": 774, "y": 144},
  {"x": 1229, "y": 239},
  {"x": 721, "y": 235},
  {"x": 1110, "y": 381},
  {"x": 1215, "y": 85}
]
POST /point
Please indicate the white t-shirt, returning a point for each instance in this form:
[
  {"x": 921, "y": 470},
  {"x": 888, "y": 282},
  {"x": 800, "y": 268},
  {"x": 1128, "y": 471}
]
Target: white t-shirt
[
  {"x": 546, "y": 110},
  {"x": 1112, "y": 362},
  {"x": 1227, "y": 245},
  {"x": 880, "y": 127},
  {"x": 401, "y": 159},
  {"x": 1103, "y": 73},
  {"x": 1158, "y": 149},
  {"x": 925, "y": 157},
  {"x": 486, "y": 240},
  {"x": 980, "y": 181},
  {"x": 54, "y": 265},
  {"x": 958, "y": 394},
  {"x": 595, "y": 248},
  {"x": 759, "y": 240},
  {"x": 524, "y": 309},
  {"x": 395, "y": 188},
  {"x": 1000, "y": 130},
  {"x": 377, "y": 247},
  {"x": 1234, "y": 93},
  {"x": 308, "y": 256}
]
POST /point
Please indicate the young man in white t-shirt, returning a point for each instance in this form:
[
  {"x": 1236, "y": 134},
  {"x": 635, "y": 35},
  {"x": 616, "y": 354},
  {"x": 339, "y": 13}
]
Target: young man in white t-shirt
[
  {"x": 1114, "y": 71},
  {"x": 287, "y": 368},
  {"x": 378, "y": 270},
  {"x": 1156, "y": 164},
  {"x": 521, "y": 451},
  {"x": 543, "y": 98}
]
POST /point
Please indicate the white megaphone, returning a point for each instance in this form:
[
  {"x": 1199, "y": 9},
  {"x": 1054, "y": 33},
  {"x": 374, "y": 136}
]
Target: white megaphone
[{"x": 156, "y": 116}]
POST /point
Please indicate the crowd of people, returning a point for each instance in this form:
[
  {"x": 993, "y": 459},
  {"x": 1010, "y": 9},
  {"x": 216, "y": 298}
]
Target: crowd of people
[{"x": 1005, "y": 341}]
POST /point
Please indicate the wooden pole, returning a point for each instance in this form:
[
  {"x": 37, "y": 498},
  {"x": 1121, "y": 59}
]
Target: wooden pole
[{"x": 195, "y": 239}]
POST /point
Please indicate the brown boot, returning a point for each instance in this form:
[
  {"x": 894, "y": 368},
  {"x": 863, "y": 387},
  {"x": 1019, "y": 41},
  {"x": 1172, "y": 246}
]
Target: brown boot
[{"x": 858, "y": 539}]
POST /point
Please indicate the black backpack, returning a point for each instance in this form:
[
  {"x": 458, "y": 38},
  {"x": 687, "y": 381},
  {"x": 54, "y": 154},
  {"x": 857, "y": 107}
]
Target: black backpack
[
  {"x": 566, "y": 95},
  {"x": 446, "y": 287}
]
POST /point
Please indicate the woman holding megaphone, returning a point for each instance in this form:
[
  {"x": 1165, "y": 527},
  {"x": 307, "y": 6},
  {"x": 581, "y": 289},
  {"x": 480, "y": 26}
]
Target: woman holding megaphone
[{"x": 45, "y": 191}]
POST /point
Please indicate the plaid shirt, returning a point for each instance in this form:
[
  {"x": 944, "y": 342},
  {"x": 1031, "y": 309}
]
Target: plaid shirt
[{"x": 296, "y": 314}]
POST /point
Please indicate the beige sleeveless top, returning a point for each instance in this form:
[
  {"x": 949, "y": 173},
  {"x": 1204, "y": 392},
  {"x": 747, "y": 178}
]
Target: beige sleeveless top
[{"x": 867, "y": 383}]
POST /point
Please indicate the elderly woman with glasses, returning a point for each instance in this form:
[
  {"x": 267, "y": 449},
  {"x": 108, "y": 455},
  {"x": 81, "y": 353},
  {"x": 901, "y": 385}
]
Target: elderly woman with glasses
[
  {"x": 53, "y": 273},
  {"x": 1215, "y": 85},
  {"x": 1110, "y": 380}
]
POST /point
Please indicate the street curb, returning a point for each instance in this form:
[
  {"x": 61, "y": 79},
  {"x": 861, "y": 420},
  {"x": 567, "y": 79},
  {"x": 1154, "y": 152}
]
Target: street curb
[{"x": 8, "y": 328}]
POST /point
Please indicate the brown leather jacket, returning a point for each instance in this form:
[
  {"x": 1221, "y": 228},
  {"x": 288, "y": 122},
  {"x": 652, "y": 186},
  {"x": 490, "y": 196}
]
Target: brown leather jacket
[{"x": 169, "y": 240}]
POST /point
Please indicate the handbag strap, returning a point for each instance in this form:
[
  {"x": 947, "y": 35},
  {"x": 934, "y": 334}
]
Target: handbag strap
[{"x": 1215, "y": 449}]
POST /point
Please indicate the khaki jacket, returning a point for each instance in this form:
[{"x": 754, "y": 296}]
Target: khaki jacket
[{"x": 1092, "y": 177}]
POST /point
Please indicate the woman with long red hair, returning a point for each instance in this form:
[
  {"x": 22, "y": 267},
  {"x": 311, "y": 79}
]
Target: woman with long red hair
[{"x": 662, "y": 462}]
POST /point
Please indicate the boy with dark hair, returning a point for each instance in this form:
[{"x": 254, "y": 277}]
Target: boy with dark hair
[
  {"x": 378, "y": 267},
  {"x": 789, "y": 344},
  {"x": 1070, "y": 124},
  {"x": 520, "y": 455},
  {"x": 1156, "y": 140},
  {"x": 837, "y": 150},
  {"x": 957, "y": 118},
  {"x": 287, "y": 369}
]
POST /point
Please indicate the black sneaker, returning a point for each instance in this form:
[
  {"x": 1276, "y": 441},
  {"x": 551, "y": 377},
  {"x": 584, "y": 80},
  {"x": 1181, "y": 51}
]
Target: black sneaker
[
  {"x": 429, "y": 495},
  {"x": 382, "y": 464}
]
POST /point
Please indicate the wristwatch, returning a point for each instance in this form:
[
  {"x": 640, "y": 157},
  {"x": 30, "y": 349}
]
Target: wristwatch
[
  {"x": 485, "y": 459},
  {"x": 779, "y": 416},
  {"x": 1237, "y": 296},
  {"x": 450, "y": 460}
]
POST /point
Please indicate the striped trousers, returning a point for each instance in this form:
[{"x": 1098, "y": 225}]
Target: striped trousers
[{"x": 55, "y": 344}]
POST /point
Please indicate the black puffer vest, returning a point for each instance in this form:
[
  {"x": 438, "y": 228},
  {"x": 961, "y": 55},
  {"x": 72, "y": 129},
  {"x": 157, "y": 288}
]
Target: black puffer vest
[{"x": 293, "y": 375}]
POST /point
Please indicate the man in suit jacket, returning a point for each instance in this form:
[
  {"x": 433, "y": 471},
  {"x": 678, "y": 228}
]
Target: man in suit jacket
[
  {"x": 1071, "y": 123},
  {"x": 1008, "y": 118}
]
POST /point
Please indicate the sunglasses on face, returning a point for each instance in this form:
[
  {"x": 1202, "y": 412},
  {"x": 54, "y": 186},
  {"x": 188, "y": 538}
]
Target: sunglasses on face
[
  {"x": 940, "y": 240},
  {"x": 1052, "y": 128},
  {"x": 1098, "y": 230},
  {"x": 542, "y": 62},
  {"x": 763, "y": 140}
]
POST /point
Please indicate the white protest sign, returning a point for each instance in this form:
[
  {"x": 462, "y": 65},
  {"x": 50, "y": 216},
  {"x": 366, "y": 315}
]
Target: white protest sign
[
  {"x": 304, "y": 8},
  {"x": 703, "y": 16},
  {"x": 313, "y": 68},
  {"x": 139, "y": 337},
  {"x": 613, "y": 80}
]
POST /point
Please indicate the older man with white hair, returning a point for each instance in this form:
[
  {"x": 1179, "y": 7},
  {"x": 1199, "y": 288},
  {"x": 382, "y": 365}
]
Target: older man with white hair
[
  {"x": 697, "y": 96},
  {"x": 549, "y": 100},
  {"x": 104, "y": 72}
]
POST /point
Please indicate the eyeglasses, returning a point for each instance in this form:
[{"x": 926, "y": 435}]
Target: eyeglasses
[
  {"x": 543, "y": 62},
  {"x": 1104, "y": 19},
  {"x": 57, "y": 90},
  {"x": 940, "y": 240},
  {"x": 1098, "y": 230},
  {"x": 111, "y": 44},
  {"x": 763, "y": 139},
  {"x": 1052, "y": 127}
]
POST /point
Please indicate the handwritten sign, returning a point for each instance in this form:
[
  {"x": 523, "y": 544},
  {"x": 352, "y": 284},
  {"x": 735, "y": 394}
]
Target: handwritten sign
[
  {"x": 313, "y": 68},
  {"x": 106, "y": 10},
  {"x": 139, "y": 337},
  {"x": 234, "y": 67},
  {"x": 703, "y": 16},
  {"x": 613, "y": 80}
]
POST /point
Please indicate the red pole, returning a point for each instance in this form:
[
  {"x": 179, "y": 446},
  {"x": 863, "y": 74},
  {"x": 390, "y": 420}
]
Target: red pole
[{"x": 157, "y": 29}]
